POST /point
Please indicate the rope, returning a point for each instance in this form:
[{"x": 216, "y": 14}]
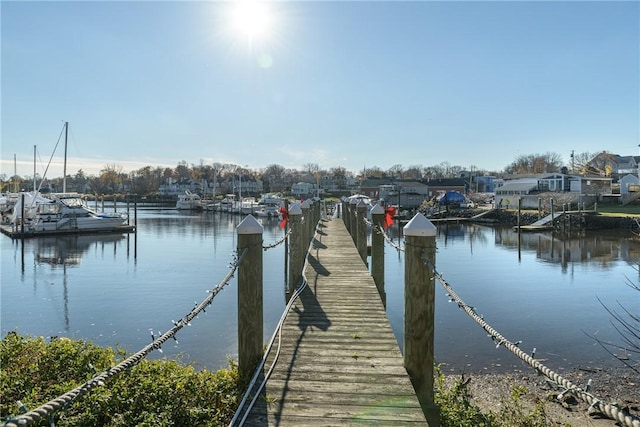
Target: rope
[
  {"x": 259, "y": 368},
  {"x": 611, "y": 411},
  {"x": 66, "y": 399},
  {"x": 388, "y": 238},
  {"x": 282, "y": 240}
]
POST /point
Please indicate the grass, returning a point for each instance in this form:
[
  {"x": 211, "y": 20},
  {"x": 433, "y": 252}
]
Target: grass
[{"x": 630, "y": 210}]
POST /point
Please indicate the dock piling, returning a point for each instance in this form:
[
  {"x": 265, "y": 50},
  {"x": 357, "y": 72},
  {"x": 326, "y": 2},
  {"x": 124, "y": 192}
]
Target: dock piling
[
  {"x": 377, "y": 250},
  {"x": 419, "y": 311},
  {"x": 250, "y": 339}
]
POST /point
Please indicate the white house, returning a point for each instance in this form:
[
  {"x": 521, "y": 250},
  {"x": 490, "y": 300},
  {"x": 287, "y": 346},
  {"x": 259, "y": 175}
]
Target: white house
[
  {"x": 529, "y": 188},
  {"x": 627, "y": 183},
  {"x": 303, "y": 189}
]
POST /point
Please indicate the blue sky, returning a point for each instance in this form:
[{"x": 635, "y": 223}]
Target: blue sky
[{"x": 351, "y": 84}]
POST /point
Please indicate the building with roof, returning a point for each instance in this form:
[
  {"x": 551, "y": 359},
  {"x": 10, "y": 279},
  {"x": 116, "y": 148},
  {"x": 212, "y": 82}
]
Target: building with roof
[{"x": 531, "y": 188}]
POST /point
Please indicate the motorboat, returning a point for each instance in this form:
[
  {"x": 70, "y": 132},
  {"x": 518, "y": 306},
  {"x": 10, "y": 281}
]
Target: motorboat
[
  {"x": 248, "y": 206},
  {"x": 228, "y": 203},
  {"x": 189, "y": 201},
  {"x": 7, "y": 202},
  {"x": 269, "y": 206},
  {"x": 62, "y": 213}
]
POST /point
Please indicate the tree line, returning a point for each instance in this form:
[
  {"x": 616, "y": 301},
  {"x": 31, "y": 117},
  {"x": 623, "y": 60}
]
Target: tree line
[{"x": 147, "y": 180}]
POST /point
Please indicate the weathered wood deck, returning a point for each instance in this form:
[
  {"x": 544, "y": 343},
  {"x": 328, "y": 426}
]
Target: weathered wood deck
[{"x": 340, "y": 363}]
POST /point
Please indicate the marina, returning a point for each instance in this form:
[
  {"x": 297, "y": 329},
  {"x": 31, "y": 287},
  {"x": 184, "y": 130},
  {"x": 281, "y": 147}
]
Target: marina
[
  {"x": 113, "y": 290},
  {"x": 59, "y": 214}
]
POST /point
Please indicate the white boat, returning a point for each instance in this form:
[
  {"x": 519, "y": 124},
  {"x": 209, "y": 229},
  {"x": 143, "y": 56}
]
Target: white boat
[
  {"x": 228, "y": 203},
  {"x": 62, "y": 213},
  {"x": 269, "y": 206},
  {"x": 189, "y": 201},
  {"x": 7, "y": 202},
  {"x": 248, "y": 205}
]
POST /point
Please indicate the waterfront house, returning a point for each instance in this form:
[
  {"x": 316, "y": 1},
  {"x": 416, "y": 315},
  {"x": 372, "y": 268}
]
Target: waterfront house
[
  {"x": 407, "y": 194},
  {"x": 614, "y": 165},
  {"x": 531, "y": 188},
  {"x": 303, "y": 190},
  {"x": 442, "y": 185}
]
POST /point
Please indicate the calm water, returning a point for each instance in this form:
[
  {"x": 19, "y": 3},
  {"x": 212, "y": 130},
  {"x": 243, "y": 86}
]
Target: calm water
[{"x": 115, "y": 289}]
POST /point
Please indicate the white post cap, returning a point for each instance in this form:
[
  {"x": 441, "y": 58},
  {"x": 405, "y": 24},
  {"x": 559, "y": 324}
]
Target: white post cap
[
  {"x": 419, "y": 226},
  {"x": 250, "y": 225},
  {"x": 377, "y": 209},
  {"x": 294, "y": 209}
]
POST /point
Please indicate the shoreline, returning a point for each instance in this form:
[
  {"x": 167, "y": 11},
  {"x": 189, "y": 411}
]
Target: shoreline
[{"x": 612, "y": 385}]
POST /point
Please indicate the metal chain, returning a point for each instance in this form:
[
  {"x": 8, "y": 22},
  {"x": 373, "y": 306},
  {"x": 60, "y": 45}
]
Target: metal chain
[
  {"x": 282, "y": 240},
  {"x": 64, "y": 400},
  {"x": 611, "y": 411}
]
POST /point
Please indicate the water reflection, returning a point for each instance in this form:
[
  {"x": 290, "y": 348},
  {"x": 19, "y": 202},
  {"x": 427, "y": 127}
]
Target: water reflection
[
  {"x": 600, "y": 248},
  {"x": 91, "y": 287},
  {"x": 67, "y": 251}
]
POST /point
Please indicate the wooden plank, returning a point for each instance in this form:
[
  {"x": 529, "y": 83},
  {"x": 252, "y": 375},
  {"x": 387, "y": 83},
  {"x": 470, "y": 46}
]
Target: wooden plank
[{"x": 339, "y": 362}]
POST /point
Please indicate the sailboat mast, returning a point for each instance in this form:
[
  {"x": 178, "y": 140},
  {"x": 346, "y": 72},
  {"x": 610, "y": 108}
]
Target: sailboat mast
[
  {"x": 35, "y": 188},
  {"x": 15, "y": 174},
  {"x": 64, "y": 171}
]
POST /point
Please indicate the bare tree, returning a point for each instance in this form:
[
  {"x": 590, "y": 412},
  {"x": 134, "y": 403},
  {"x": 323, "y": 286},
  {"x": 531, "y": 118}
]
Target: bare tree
[
  {"x": 627, "y": 324},
  {"x": 373, "y": 172},
  {"x": 311, "y": 168},
  {"x": 396, "y": 171},
  {"x": 413, "y": 172},
  {"x": 535, "y": 163}
]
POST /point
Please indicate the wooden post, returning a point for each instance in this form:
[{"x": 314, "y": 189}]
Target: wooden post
[
  {"x": 419, "y": 311},
  {"x": 539, "y": 207},
  {"x": 296, "y": 255},
  {"x": 553, "y": 221},
  {"x": 135, "y": 212},
  {"x": 519, "y": 211},
  {"x": 361, "y": 230},
  {"x": 22, "y": 215},
  {"x": 353, "y": 212},
  {"x": 311, "y": 223},
  {"x": 377, "y": 250},
  {"x": 318, "y": 214},
  {"x": 250, "y": 328},
  {"x": 346, "y": 215},
  {"x": 306, "y": 225}
]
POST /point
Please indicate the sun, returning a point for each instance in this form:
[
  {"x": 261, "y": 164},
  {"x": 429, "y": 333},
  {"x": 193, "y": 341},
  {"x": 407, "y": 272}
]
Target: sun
[{"x": 251, "y": 19}]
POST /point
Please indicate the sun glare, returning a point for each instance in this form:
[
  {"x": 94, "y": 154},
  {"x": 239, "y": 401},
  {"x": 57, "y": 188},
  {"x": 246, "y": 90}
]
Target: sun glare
[{"x": 252, "y": 19}]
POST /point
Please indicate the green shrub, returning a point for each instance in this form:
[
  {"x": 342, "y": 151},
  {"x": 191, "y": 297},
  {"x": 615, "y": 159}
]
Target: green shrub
[
  {"x": 457, "y": 410},
  {"x": 152, "y": 393}
]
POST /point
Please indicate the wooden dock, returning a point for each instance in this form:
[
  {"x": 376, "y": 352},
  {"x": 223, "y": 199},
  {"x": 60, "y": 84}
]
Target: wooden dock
[{"x": 339, "y": 361}]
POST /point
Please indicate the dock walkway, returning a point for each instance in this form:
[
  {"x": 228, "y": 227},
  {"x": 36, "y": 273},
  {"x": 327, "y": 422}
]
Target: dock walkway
[{"x": 339, "y": 361}]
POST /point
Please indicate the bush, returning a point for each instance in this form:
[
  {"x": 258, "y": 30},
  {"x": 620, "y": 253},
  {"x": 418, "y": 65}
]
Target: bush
[
  {"x": 152, "y": 393},
  {"x": 457, "y": 409}
]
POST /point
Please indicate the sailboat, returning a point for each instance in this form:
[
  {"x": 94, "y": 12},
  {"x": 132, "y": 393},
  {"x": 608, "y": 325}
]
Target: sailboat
[{"x": 62, "y": 213}]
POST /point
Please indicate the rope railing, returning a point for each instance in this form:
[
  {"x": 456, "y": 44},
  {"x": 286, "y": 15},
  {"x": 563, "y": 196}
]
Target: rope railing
[
  {"x": 388, "y": 238},
  {"x": 611, "y": 411},
  {"x": 61, "y": 402}
]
